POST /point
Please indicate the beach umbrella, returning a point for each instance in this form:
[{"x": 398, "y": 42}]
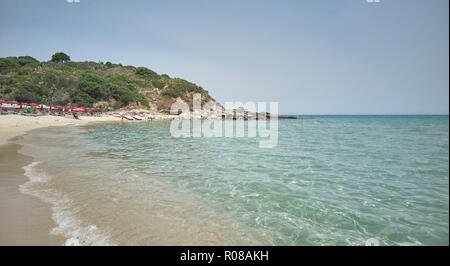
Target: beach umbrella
[
  {"x": 79, "y": 109},
  {"x": 10, "y": 102}
]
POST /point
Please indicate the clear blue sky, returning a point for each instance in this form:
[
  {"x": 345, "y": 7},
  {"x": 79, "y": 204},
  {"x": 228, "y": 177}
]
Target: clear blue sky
[{"x": 313, "y": 57}]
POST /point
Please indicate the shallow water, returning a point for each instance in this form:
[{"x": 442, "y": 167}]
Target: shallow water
[{"x": 331, "y": 180}]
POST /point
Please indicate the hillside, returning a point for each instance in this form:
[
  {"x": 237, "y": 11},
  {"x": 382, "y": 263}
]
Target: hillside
[{"x": 90, "y": 84}]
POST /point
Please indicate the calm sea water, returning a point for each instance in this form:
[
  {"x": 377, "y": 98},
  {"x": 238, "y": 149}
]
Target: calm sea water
[{"x": 331, "y": 180}]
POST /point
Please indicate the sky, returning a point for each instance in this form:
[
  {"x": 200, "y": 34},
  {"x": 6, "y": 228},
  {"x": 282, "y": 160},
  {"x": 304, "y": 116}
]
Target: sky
[{"x": 310, "y": 56}]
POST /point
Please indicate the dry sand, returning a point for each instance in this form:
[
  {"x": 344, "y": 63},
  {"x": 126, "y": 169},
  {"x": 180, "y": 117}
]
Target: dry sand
[
  {"x": 16, "y": 125},
  {"x": 24, "y": 219}
]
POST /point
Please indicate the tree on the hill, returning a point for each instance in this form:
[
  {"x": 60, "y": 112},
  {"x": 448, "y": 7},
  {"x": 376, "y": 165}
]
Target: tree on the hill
[{"x": 60, "y": 57}]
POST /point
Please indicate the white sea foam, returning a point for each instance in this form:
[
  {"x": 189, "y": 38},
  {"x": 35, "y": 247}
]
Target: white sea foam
[{"x": 64, "y": 213}]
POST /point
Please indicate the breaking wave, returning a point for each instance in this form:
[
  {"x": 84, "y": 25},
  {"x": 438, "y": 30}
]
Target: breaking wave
[{"x": 64, "y": 213}]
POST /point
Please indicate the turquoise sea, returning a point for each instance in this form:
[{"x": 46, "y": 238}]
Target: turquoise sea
[{"x": 331, "y": 180}]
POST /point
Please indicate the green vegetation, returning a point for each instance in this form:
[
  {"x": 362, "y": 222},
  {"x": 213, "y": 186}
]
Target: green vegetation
[
  {"x": 16, "y": 63},
  {"x": 178, "y": 87},
  {"x": 146, "y": 73},
  {"x": 64, "y": 82},
  {"x": 60, "y": 57}
]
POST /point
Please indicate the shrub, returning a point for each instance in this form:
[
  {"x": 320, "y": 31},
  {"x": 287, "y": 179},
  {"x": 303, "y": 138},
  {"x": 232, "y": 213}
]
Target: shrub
[
  {"x": 158, "y": 84},
  {"x": 29, "y": 92},
  {"x": 8, "y": 64},
  {"x": 94, "y": 85},
  {"x": 81, "y": 98},
  {"x": 144, "y": 101},
  {"x": 27, "y": 60},
  {"x": 146, "y": 73},
  {"x": 173, "y": 92}
]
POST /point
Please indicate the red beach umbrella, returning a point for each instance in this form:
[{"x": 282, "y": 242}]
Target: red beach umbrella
[{"x": 9, "y": 102}]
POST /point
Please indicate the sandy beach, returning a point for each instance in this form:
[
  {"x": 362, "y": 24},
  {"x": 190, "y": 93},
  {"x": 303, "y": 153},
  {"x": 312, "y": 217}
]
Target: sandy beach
[
  {"x": 25, "y": 219},
  {"x": 15, "y": 125}
]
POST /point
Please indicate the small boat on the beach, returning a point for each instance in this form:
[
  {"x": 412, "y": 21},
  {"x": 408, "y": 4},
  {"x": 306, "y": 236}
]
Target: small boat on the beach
[{"x": 127, "y": 117}]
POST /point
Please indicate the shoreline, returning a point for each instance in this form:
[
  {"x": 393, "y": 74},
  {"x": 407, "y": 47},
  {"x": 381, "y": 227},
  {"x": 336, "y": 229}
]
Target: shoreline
[
  {"x": 33, "y": 219},
  {"x": 26, "y": 219}
]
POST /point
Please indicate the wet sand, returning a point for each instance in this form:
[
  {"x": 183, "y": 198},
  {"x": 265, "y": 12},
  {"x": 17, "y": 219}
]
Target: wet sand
[{"x": 25, "y": 219}]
